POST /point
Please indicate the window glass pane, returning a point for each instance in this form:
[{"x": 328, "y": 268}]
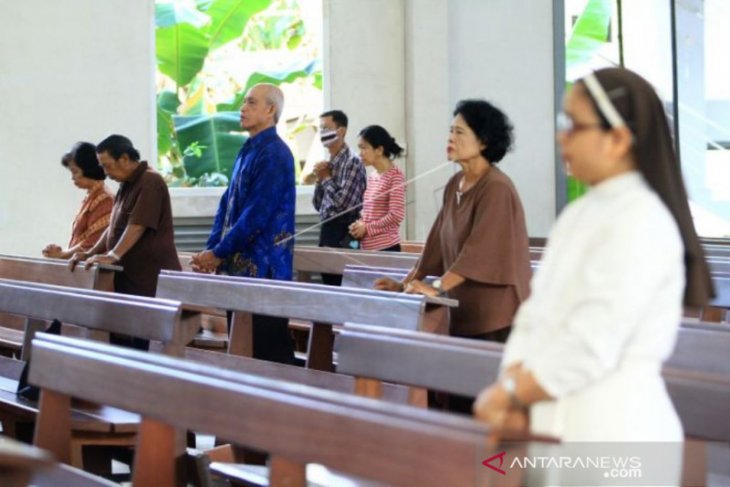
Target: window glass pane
[
  {"x": 703, "y": 74},
  {"x": 209, "y": 53}
]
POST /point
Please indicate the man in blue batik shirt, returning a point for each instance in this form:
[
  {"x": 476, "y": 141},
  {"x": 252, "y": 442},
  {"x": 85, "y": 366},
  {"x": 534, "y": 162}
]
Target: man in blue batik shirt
[{"x": 253, "y": 231}]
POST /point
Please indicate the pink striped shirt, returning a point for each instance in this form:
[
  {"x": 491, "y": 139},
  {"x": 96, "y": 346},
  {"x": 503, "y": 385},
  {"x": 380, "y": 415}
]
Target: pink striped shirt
[{"x": 383, "y": 209}]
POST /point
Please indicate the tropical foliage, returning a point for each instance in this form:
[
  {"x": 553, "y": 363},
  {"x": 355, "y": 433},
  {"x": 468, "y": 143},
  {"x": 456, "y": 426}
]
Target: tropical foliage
[
  {"x": 588, "y": 38},
  {"x": 209, "y": 53}
]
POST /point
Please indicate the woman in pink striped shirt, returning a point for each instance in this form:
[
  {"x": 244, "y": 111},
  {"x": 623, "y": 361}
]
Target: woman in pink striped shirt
[{"x": 384, "y": 202}]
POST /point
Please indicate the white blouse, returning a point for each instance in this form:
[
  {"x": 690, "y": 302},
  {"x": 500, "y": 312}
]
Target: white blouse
[{"x": 603, "y": 315}]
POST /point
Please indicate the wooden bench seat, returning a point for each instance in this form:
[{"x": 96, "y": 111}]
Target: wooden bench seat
[
  {"x": 22, "y": 464},
  {"x": 258, "y": 475},
  {"x": 333, "y": 261},
  {"x": 95, "y": 311},
  {"x": 271, "y": 370},
  {"x": 295, "y": 423},
  {"x": 697, "y": 377},
  {"x": 61, "y": 475},
  {"x": 56, "y": 271},
  {"x": 11, "y": 340},
  {"x": 45, "y": 271},
  {"x": 465, "y": 367},
  {"x": 323, "y": 305}
]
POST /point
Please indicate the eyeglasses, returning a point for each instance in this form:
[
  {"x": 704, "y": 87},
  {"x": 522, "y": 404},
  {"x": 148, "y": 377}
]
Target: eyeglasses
[{"x": 566, "y": 125}]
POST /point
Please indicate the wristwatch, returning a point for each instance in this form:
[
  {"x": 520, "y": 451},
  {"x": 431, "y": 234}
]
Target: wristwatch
[
  {"x": 437, "y": 285},
  {"x": 510, "y": 386}
]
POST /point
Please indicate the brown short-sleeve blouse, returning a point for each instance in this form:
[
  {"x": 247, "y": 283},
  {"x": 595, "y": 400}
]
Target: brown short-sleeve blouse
[{"x": 482, "y": 236}]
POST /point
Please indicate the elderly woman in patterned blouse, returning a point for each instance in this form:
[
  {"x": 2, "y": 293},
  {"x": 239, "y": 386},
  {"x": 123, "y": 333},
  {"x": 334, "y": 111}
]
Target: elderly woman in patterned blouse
[{"x": 93, "y": 216}]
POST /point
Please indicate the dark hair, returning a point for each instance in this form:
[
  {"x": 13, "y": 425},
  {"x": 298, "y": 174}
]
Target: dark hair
[
  {"x": 337, "y": 116},
  {"x": 377, "y": 136},
  {"x": 653, "y": 150},
  {"x": 116, "y": 146},
  {"x": 84, "y": 155},
  {"x": 66, "y": 158},
  {"x": 491, "y": 126}
]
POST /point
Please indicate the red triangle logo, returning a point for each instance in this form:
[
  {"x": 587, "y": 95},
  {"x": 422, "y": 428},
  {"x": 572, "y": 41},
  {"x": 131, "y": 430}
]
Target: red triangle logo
[{"x": 488, "y": 462}]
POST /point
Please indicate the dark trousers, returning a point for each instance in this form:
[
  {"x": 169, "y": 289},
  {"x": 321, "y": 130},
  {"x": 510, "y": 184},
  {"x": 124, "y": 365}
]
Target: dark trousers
[
  {"x": 271, "y": 338},
  {"x": 463, "y": 404},
  {"x": 129, "y": 342},
  {"x": 393, "y": 248},
  {"x": 331, "y": 234}
]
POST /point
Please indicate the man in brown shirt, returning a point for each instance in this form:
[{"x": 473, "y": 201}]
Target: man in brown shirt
[{"x": 140, "y": 236}]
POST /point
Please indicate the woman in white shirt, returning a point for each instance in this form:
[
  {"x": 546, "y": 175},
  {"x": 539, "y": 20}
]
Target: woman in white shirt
[{"x": 587, "y": 347}]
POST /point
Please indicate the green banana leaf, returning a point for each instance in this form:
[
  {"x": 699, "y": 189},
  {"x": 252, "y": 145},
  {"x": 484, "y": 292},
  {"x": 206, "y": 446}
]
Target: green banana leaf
[
  {"x": 172, "y": 12},
  {"x": 295, "y": 70},
  {"x": 589, "y": 34},
  {"x": 167, "y": 103},
  {"x": 218, "y": 137},
  {"x": 181, "y": 51},
  {"x": 229, "y": 18}
]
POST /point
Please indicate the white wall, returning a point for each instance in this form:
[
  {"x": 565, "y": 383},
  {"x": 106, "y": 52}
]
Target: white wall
[
  {"x": 364, "y": 72},
  {"x": 81, "y": 69},
  {"x": 69, "y": 70},
  {"x": 502, "y": 50},
  {"x": 405, "y": 63},
  {"x": 427, "y": 110}
]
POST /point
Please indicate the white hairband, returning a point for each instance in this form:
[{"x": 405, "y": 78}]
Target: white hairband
[{"x": 603, "y": 101}]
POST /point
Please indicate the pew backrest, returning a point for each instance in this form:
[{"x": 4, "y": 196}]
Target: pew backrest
[
  {"x": 465, "y": 367},
  {"x": 333, "y": 261},
  {"x": 357, "y": 436},
  {"x": 722, "y": 291},
  {"x": 312, "y": 302},
  {"x": 148, "y": 318},
  {"x": 55, "y": 271}
]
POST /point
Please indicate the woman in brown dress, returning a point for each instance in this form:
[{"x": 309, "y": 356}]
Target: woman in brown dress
[
  {"x": 93, "y": 216},
  {"x": 478, "y": 245}
]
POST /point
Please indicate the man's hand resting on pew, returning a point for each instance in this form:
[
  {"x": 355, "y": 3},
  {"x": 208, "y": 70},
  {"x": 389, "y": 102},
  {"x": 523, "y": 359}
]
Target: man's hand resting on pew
[{"x": 205, "y": 262}]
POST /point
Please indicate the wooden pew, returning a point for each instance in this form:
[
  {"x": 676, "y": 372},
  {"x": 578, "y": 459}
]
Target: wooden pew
[
  {"x": 717, "y": 311},
  {"x": 22, "y": 464},
  {"x": 324, "y": 305},
  {"x": 148, "y": 318},
  {"x": 717, "y": 250},
  {"x": 299, "y": 375},
  {"x": 702, "y": 347},
  {"x": 719, "y": 265},
  {"x": 537, "y": 246},
  {"x": 315, "y": 260},
  {"x": 19, "y": 462},
  {"x": 719, "y": 308},
  {"x": 364, "y": 277},
  {"x": 15, "y": 333},
  {"x": 55, "y": 271},
  {"x": 412, "y": 246},
  {"x": 392, "y": 444},
  {"x": 697, "y": 376},
  {"x": 465, "y": 367}
]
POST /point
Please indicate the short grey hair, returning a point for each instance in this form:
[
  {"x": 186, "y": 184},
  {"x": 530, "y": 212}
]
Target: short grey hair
[{"x": 275, "y": 98}]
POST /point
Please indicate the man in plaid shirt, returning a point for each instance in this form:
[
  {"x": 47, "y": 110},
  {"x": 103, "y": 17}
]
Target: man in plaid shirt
[{"x": 340, "y": 186}]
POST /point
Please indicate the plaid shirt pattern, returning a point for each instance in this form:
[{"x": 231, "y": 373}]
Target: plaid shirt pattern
[{"x": 345, "y": 189}]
